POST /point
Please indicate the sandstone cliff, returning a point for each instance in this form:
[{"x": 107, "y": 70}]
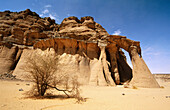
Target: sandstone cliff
[{"x": 83, "y": 46}]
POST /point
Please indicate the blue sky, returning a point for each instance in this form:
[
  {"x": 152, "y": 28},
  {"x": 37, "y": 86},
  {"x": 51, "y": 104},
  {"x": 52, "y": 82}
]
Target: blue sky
[{"x": 147, "y": 21}]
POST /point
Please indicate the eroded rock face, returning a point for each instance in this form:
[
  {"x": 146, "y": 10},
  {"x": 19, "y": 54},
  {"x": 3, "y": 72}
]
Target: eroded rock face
[
  {"x": 67, "y": 64},
  {"x": 9, "y": 56},
  {"x": 84, "y": 48},
  {"x": 83, "y": 29},
  {"x": 70, "y": 46},
  {"x": 25, "y": 27}
]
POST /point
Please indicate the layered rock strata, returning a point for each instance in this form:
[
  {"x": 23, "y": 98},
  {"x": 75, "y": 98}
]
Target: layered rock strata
[{"x": 83, "y": 46}]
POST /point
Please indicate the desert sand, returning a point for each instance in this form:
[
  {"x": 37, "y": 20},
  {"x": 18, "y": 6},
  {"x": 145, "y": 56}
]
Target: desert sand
[{"x": 98, "y": 98}]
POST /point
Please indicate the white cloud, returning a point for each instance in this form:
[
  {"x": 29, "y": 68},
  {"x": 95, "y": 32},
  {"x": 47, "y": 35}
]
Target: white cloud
[
  {"x": 41, "y": 15},
  {"x": 117, "y": 32},
  {"x": 147, "y": 49},
  {"x": 150, "y": 51},
  {"x": 128, "y": 58},
  {"x": 68, "y": 14},
  {"x": 51, "y": 16},
  {"x": 45, "y": 11},
  {"x": 47, "y": 6}
]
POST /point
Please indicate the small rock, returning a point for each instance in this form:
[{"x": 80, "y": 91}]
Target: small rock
[
  {"x": 27, "y": 84},
  {"x": 21, "y": 89},
  {"x": 167, "y": 96},
  {"x": 3, "y": 105},
  {"x": 123, "y": 93}
]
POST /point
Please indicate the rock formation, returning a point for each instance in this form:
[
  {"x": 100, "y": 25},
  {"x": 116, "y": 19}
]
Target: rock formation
[
  {"x": 84, "y": 48},
  {"x": 141, "y": 78}
]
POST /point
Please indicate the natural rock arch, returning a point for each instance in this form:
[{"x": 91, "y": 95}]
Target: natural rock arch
[{"x": 85, "y": 43}]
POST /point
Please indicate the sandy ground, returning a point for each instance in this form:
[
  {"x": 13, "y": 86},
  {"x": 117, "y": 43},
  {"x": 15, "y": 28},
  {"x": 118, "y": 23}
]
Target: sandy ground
[{"x": 98, "y": 98}]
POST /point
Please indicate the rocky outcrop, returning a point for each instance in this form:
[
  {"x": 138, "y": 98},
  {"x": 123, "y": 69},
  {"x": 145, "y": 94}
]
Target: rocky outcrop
[
  {"x": 83, "y": 46},
  {"x": 83, "y": 29},
  {"x": 162, "y": 77},
  {"x": 25, "y": 27}
]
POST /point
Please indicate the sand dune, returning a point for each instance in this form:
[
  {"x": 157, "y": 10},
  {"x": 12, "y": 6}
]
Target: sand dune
[{"x": 98, "y": 98}]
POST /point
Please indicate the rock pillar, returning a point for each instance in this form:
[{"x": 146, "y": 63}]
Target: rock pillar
[
  {"x": 97, "y": 76},
  {"x": 112, "y": 56},
  {"x": 105, "y": 67},
  {"x": 142, "y": 77},
  {"x": 100, "y": 74}
]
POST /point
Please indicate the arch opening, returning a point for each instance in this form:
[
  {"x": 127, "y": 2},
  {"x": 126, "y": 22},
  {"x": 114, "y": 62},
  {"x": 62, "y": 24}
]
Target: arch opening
[{"x": 124, "y": 66}]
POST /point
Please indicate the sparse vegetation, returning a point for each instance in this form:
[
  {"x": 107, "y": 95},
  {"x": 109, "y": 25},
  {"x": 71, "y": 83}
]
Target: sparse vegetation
[
  {"x": 162, "y": 87},
  {"x": 134, "y": 87},
  {"x": 42, "y": 71}
]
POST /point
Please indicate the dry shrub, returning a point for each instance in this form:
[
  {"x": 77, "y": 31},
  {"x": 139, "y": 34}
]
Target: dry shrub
[
  {"x": 134, "y": 87},
  {"x": 162, "y": 87},
  {"x": 42, "y": 71}
]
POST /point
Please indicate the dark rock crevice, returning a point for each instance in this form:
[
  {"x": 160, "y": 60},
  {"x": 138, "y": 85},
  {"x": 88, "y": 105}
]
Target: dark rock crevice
[
  {"x": 125, "y": 72},
  {"x": 17, "y": 58}
]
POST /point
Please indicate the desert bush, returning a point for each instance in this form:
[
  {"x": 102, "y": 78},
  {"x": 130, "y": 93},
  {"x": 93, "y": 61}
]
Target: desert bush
[
  {"x": 134, "y": 87},
  {"x": 42, "y": 71},
  {"x": 161, "y": 86}
]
